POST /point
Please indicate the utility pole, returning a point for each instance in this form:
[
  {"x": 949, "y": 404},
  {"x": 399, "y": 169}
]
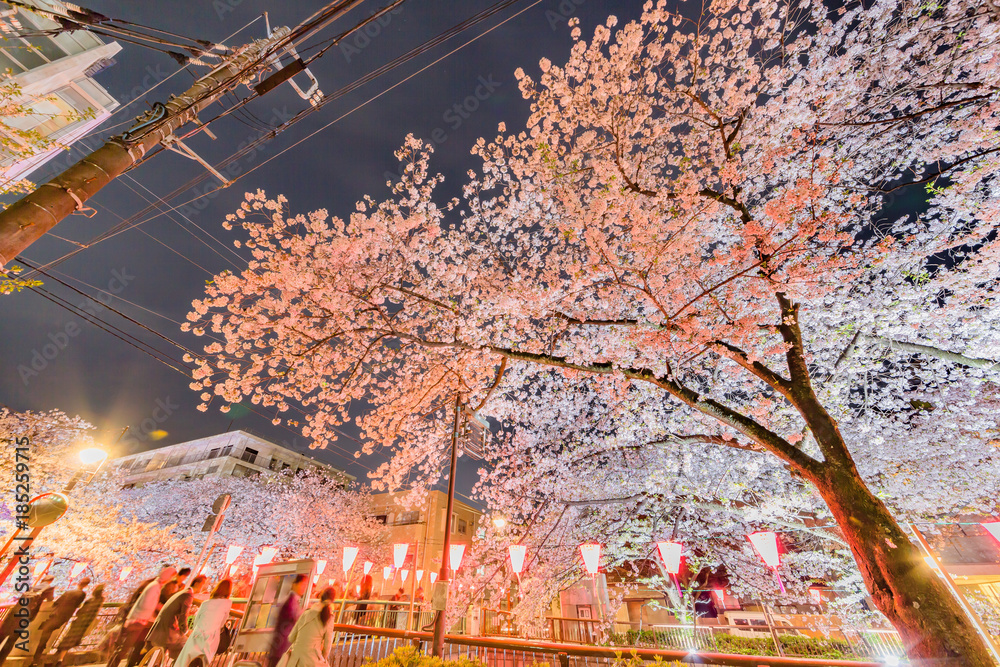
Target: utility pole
[
  {"x": 26, "y": 220},
  {"x": 439, "y": 600}
]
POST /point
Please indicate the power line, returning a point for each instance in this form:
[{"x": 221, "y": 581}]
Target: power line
[{"x": 136, "y": 219}]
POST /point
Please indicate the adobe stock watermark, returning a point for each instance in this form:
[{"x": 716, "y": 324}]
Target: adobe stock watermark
[
  {"x": 56, "y": 341},
  {"x": 200, "y": 196},
  {"x": 454, "y": 117},
  {"x": 361, "y": 39},
  {"x": 563, "y": 13}
]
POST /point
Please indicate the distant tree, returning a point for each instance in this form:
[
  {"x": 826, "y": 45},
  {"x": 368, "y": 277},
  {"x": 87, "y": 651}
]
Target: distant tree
[{"x": 688, "y": 246}]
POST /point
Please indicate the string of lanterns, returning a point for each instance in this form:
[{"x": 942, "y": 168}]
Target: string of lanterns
[{"x": 765, "y": 544}]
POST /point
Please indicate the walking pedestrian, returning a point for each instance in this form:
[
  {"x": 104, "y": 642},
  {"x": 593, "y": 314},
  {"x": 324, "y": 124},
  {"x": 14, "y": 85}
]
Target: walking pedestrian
[
  {"x": 11, "y": 630},
  {"x": 364, "y": 594},
  {"x": 312, "y": 636},
  {"x": 81, "y": 625},
  {"x": 169, "y": 630},
  {"x": 212, "y": 615},
  {"x": 139, "y": 620},
  {"x": 62, "y": 610},
  {"x": 288, "y": 613}
]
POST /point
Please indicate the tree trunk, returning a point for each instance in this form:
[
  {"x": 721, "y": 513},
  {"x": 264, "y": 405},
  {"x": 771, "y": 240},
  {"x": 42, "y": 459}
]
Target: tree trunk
[{"x": 930, "y": 621}]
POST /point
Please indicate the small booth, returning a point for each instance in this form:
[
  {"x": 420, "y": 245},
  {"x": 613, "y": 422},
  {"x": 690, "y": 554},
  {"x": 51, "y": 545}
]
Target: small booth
[{"x": 270, "y": 589}]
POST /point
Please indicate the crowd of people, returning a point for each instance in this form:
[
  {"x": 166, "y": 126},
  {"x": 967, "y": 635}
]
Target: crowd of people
[{"x": 156, "y": 617}]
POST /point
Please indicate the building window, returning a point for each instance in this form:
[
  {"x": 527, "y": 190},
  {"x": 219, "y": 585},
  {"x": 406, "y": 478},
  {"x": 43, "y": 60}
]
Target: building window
[
  {"x": 382, "y": 519},
  {"x": 213, "y": 454},
  {"x": 227, "y": 450},
  {"x": 174, "y": 460},
  {"x": 463, "y": 527},
  {"x": 212, "y": 469},
  {"x": 275, "y": 464},
  {"x": 249, "y": 455},
  {"x": 407, "y": 518}
]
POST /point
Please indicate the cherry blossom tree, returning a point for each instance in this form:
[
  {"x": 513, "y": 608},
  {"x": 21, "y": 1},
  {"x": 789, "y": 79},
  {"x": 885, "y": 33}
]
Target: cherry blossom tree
[
  {"x": 303, "y": 516},
  {"x": 96, "y": 528},
  {"x": 692, "y": 244}
]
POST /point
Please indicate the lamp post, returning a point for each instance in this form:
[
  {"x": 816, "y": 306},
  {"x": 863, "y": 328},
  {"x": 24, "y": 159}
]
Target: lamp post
[{"x": 439, "y": 600}]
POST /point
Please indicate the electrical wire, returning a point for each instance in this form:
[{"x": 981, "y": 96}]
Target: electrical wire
[{"x": 137, "y": 219}]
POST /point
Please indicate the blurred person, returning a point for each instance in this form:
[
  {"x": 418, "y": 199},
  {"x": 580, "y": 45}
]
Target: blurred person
[
  {"x": 140, "y": 618},
  {"x": 312, "y": 635},
  {"x": 364, "y": 594},
  {"x": 10, "y": 628},
  {"x": 62, "y": 610},
  {"x": 169, "y": 630},
  {"x": 288, "y": 614},
  {"x": 81, "y": 625},
  {"x": 212, "y": 615}
]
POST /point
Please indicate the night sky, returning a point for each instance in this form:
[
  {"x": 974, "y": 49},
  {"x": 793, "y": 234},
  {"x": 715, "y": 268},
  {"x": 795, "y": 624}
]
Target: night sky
[{"x": 155, "y": 269}]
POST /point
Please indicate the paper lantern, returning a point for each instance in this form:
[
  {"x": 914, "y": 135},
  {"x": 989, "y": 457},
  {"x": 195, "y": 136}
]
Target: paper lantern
[
  {"x": 265, "y": 556},
  {"x": 320, "y": 565},
  {"x": 434, "y": 578},
  {"x": 720, "y": 598},
  {"x": 517, "y": 552},
  {"x": 386, "y": 571},
  {"x": 350, "y": 553},
  {"x": 399, "y": 554},
  {"x": 457, "y": 553},
  {"x": 404, "y": 574},
  {"x": 233, "y": 570},
  {"x": 232, "y": 553},
  {"x": 993, "y": 528},
  {"x": 41, "y": 567},
  {"x": 315, "y": 579},
  {"x": 76, "y": 570},
  {"x": 670, "y": 554},
  {"x": 123, "y": 575},
  {"x": 420, "y": 576},
  {"x": 591, "y": 557},
  {"x": 766, "y": 544},
  {"x": 368, "y": 567}
]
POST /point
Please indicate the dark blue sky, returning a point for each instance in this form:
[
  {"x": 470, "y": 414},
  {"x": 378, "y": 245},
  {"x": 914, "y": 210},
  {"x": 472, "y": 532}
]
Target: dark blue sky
[{"x": 156, "y": 269}]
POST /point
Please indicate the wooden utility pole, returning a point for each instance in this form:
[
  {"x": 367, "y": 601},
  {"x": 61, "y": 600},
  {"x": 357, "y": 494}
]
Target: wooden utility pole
[
  {"x": 26, "y": 220},
  {"x": 439, "y": 601}
]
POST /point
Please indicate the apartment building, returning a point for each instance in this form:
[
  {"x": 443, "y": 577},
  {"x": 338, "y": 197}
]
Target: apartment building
[
  {"x": 232, "y": 454},
  {"x": 423, "y": 529},
  {"x": 55, "y": 77}
]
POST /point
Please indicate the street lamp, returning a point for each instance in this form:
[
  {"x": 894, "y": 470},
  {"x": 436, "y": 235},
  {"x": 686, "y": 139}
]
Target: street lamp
[
  {"x": 499, "y": 522},
  {"x": 91, "y": 461}
]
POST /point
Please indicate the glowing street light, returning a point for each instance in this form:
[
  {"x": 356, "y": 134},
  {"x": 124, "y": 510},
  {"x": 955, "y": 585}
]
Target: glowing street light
[
  {"x": 350, "y": 553},
  {"x": 420, "y": 576},
  {"x": 403, "y": 574},
  {"x": 399, "y": 554},
  {"x": 499, "y": 522},
  {"x": 386, "y": 571},
  {"x": 517, "y": 552},
  {"x": 92, "y": 456},
  {"x": 434, "y": 577},
  {"x": 457, "y": 553},
  {"x": 765, "y": 542},
  {"x": 368, "y": 567},
  {"x": 591, "y": 557}
]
